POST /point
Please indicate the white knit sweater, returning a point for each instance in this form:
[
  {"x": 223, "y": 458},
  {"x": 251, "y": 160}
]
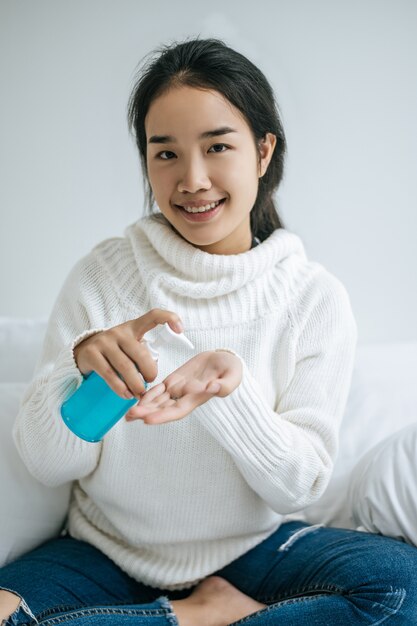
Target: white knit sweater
[{"x": 174, "y": 502}]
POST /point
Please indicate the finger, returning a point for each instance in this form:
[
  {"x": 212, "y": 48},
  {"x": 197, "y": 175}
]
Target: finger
[
  {"x": 139, "y": 365},
  {"x": 163, "y": 405},
  {"x": 109, "y": 374},
  {"x": 177, "y": 386},
  {"x": 168, "y": 407},
  {"x": 135, "y": 414},
  {"x": 143, "y": 413},
  {"x": 184, "y": 397},
  {"x": 170, "y": 410},
  {"x": 144, "y": 407},
  {"x": 153, "y": 318},
  {"x": 229, "y": 378},
  {"x": 214, "y": 387},
  {"x": 152, "y": 393},
  {"x": 158, "y": 401},
  {"x": 126, "y": 368},
  {"x": 175, "y": 383},
  {"x": 181, "y": 408},
  {"x": 164, "y": 415}
]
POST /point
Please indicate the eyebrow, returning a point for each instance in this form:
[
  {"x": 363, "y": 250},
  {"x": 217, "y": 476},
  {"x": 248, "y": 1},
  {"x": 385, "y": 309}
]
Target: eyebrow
[{"x": 224, "y": 130}]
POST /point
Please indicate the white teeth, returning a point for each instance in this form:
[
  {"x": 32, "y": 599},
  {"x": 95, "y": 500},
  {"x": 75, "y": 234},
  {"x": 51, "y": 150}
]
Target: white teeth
[{"x": 201, "y": 209}]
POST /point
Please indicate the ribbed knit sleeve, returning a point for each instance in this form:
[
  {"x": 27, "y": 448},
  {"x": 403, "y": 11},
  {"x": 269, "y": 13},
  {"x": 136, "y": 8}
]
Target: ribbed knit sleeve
[
  {"x": 286, "y": 453},
  {"x": 51, "y": 452}
]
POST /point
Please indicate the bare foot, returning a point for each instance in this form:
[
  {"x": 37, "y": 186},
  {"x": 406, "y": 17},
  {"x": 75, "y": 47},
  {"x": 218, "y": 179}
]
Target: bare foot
[{"x": 214, "y": 602}]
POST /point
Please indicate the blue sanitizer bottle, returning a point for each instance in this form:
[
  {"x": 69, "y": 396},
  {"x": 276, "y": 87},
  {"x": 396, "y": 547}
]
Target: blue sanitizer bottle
[{"x": 94, "y": 408}]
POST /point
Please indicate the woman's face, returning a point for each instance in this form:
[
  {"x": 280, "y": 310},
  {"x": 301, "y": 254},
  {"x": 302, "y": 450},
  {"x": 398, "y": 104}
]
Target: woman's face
[{"x": 190, "y": 165}]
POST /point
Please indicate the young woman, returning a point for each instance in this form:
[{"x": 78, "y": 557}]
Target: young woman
[{"x": 178, "y": 515}]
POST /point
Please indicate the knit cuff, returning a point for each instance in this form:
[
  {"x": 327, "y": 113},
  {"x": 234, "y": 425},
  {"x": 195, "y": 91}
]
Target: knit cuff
[
  {"x": 243, "y": 422},
  {"x": 231, "y": 352},
  {"x": 65, "y": 378},
  {"x": 51, "y": 452}
]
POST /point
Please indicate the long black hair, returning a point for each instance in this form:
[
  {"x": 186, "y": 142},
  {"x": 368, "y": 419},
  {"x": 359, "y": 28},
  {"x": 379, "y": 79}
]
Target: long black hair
[{"x": 211, "y": 64}]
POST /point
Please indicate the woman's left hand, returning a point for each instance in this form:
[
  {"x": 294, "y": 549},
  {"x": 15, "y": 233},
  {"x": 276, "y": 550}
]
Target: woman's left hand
[{"x": 208, "y": 374}]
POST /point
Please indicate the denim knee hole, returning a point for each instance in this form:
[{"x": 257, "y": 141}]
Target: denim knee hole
[
  {"x": 297, "y": 535},
  {"x": 21, "y": 608},
  {"x": 166, "y": 604}
]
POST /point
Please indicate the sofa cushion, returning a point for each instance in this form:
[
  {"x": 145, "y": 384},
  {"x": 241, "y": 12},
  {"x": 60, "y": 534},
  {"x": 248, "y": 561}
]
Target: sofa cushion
[
  {"x": 30, "y": 512},
  {"x": 383, "y": 488},
  {"x": 20, "y": 346},
  {"x": 381, "y": 401}
]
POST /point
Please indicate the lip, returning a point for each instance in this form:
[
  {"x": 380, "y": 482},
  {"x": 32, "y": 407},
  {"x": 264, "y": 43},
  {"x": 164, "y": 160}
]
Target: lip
[
  {"x": 196, "y": 204},
  {"x": 201, "y": 217}
]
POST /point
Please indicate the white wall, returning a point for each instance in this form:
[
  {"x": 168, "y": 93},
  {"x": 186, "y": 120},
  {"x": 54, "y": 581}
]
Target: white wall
[{"x": 345, "y": 79}]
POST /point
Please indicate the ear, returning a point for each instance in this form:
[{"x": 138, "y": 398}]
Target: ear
[{"x": 266, "y": 147}]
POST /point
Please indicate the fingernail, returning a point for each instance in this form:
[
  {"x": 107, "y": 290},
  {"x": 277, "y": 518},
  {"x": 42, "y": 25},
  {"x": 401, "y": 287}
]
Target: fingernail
[
  {"x": 214, "y": 388},
  {"x": 127, "y": 395}
]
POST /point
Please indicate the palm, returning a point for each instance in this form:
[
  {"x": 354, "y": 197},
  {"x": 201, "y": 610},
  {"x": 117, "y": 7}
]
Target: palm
[{"x": 188, "y": 387}]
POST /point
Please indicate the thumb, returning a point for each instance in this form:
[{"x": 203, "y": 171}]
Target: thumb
[{"x": 213, "y": 387}]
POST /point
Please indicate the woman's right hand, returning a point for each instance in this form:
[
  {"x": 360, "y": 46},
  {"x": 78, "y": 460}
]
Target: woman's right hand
[{"x": 122, "y": 350}]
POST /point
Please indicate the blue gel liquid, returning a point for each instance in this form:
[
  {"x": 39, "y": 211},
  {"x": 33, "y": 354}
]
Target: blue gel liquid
[{"x": 94, "y": 408}]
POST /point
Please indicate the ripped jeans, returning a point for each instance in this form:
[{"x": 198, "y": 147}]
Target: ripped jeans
[{"x": 304, "y": 574}]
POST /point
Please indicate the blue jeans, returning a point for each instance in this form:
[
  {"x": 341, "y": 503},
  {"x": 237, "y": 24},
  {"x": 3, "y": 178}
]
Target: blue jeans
[{"x": 304, "y": 574}]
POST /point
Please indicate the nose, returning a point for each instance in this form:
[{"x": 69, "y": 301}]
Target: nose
[{"x": 194, "y": 177}]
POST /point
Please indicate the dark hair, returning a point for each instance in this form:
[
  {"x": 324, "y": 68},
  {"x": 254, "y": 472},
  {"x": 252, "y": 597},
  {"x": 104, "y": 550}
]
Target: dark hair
[{"x": 211, "y": 64}]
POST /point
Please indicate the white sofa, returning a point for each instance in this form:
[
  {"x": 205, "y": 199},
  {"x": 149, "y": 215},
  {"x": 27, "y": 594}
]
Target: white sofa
[{"x": 373, "y": 485}]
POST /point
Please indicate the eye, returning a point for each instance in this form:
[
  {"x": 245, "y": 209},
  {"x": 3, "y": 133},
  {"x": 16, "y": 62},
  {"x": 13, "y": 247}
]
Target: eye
[
  {"x": 216, "y": 145},
  {"x": 222, "y": 145},
  {"x": 159, "y": 155}
]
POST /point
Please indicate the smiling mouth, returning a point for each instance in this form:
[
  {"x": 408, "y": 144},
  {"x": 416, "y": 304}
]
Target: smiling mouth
[{"x": 199, "y": 210}]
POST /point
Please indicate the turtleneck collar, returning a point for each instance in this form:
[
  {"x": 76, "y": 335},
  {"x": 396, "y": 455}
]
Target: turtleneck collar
[{"x": 200, "y": 272}]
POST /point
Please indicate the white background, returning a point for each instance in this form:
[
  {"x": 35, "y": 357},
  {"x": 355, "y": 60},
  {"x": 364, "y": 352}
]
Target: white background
[{"x": 344, "y": 73}]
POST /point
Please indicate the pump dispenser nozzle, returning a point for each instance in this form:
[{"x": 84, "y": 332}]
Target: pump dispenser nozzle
[{"x": 166, "y": 336}]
